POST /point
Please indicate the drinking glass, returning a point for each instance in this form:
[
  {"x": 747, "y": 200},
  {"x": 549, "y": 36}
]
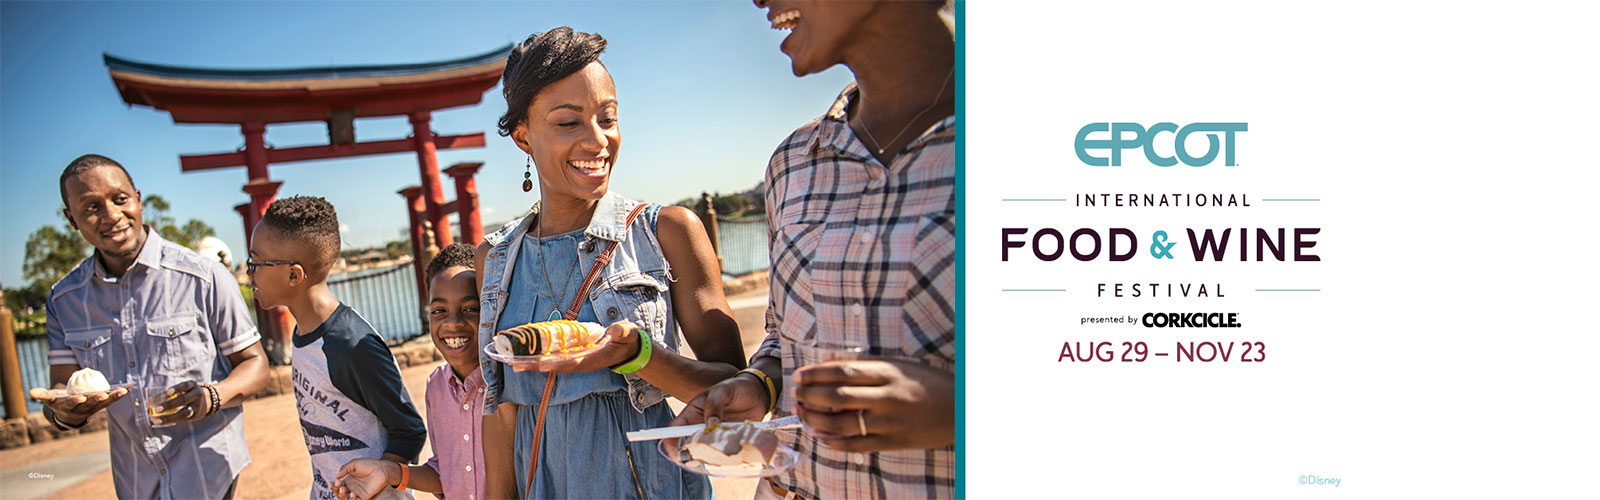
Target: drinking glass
[
  {"x": 154, "y": 396},
  {"x": 815, "y": 352}
]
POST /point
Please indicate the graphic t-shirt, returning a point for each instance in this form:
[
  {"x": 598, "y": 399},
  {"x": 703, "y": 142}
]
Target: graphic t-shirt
[{"x": 351, "y": 400}]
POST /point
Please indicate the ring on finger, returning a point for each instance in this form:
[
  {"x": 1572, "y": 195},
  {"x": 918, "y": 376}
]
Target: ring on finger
[
  {"x": 861, "y": 421},
  {"x": 191, "y": 411}
]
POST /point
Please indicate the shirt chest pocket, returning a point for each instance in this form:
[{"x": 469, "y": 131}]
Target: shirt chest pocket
[
  {"x": 794, "y": 257},
  {"x": 177, "y": 346},
  {"x": 90, "y": 346},
  {"x": 639, "y": 297}
]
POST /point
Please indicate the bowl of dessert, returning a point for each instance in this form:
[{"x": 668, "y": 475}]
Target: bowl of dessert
[{"x": 730, "y": 450}]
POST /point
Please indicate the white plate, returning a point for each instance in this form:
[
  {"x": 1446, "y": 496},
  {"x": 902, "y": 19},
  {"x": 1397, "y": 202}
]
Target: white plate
[
  {"x": 62, "y": 393},
  {"x": 782, "y": 460},
  {"x": 536, "y": 360},
  {"x": 788, "y": 423}
]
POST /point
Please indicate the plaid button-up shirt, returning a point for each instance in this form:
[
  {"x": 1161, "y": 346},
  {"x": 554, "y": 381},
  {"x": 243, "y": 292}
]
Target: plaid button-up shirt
[{"x": 863, "y": 254}]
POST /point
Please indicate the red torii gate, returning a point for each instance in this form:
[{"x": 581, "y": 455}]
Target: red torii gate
[
  {"x": 466, "y": 204},
  {"x": 252, "y": 99}
]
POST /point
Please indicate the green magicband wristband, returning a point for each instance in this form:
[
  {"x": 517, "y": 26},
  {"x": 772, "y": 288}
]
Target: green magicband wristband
[{"x": 642, "y": 359}]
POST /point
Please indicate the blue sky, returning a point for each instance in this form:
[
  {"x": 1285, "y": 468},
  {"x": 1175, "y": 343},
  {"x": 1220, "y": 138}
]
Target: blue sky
[{"x": 705, "y": 97}]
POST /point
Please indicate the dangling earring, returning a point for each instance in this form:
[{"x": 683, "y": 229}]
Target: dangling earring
[{"x": 527, "y": 176}]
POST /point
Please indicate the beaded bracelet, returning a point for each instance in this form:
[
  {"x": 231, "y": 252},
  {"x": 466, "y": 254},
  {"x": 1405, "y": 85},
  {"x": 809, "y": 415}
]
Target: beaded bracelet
[{"x": 216, "y": 400}]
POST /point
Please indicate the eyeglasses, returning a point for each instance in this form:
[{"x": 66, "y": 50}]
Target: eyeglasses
[{"x": 251, "y": 265}]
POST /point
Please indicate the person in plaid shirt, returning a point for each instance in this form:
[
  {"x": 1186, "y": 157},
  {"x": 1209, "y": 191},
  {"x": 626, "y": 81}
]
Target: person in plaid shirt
[{"x": 861, "y": 211}]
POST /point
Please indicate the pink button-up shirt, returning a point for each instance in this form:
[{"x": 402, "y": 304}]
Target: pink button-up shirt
[{"x": 455, "y": 422}]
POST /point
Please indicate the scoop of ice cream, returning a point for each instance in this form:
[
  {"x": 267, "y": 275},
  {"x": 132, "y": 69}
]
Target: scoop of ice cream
[
  {"x": 732, "y": 444},
  {"x": 87, "y": 380}
]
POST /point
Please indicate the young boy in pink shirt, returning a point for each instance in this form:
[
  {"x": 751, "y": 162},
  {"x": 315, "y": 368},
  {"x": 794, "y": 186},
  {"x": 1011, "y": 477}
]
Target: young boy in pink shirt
[{"x": 455, "y": 396}]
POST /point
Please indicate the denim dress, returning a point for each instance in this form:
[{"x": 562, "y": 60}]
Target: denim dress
[{"x": 585, "y": 453}]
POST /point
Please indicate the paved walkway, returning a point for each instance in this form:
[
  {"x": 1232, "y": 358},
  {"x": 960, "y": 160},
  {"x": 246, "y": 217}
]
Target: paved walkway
[{"x": 79, "y": 467}]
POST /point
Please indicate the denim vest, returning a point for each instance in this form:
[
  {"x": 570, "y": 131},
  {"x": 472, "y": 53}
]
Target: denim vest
[{"x": 633, "y": 286}]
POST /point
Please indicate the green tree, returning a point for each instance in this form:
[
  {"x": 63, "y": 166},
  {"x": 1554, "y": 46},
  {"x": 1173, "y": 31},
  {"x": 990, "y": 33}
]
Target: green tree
[
  {"x": 33, "y": 295},
  {"x": 156, "y": 211},
  {"x": 157, "y": 214},
  {"x": 752, "y": 201},
  {"x": 51, "y": 253},
  {"x": 729, "y": 205},
  {"x": 190, "y": 234},
  {"x": 397, "y": 248}
]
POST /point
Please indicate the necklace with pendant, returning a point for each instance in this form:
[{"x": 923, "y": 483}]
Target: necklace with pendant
[
  {"x": 881, "y": 146},
  {"x": 555, "y": 310}
]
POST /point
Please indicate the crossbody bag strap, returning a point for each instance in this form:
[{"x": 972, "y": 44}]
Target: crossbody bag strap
[{"x": 600, "y": 262}]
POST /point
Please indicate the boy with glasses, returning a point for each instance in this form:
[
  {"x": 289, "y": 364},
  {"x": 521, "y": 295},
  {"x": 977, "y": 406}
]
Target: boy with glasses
[{"x": 352, "y": 402}]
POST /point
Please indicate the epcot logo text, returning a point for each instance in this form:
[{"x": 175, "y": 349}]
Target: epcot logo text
[{"x": 1125, "y": 135}]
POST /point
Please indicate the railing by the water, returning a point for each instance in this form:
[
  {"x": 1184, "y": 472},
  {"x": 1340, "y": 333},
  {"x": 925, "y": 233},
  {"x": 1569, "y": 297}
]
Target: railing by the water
[
  {"x": 386, "y": 297},
  {"x": 744, "y": 244},
  {"x": 33, "y": 349},
  {"x": 33, "y": 355}
]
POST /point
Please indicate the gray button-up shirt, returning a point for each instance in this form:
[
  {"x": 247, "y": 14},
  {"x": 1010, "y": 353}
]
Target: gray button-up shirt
[{"x": 174, "y": 316}]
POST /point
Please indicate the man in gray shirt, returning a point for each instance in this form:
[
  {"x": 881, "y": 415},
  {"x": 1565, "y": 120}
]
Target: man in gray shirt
[{"x": 152, "y": 314}]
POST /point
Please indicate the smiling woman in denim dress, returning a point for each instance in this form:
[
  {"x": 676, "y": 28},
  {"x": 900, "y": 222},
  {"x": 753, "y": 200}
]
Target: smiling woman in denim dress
[{"x": 562, "y": 111}]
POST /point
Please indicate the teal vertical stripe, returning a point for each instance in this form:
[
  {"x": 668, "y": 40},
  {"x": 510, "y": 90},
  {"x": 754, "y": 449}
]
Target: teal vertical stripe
[{"x": 961, "y": 250}]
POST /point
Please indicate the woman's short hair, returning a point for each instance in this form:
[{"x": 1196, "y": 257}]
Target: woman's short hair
[{"x": 539, "y": 61}]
